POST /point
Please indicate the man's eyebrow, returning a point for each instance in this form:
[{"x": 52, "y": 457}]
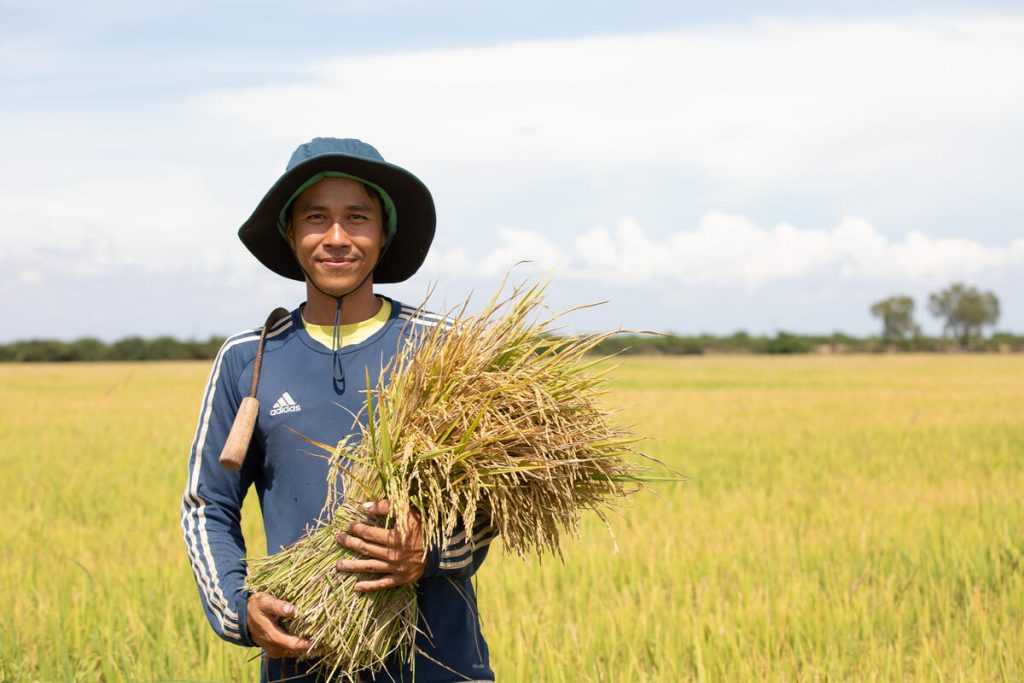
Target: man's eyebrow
[{"x": 348, "y": 207}]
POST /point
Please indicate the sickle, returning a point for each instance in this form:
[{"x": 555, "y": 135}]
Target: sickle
[{"x": 237, "y": 445}]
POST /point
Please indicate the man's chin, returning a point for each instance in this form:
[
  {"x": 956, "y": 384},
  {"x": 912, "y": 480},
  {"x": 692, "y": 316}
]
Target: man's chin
[{"x": 338, "y": 287}]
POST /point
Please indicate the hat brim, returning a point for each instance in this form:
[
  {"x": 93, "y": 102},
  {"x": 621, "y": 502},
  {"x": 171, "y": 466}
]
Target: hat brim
[{"x": 413, "y": 204}]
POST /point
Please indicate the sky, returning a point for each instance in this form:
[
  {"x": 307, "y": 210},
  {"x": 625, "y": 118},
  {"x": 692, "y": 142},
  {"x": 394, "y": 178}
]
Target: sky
[{"x": 710, "y": 168}]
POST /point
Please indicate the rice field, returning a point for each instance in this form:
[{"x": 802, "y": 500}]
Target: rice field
[{"x": 851, "y": 518}]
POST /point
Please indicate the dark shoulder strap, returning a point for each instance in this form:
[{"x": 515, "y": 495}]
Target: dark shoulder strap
[{"x": 276, "y": 316}]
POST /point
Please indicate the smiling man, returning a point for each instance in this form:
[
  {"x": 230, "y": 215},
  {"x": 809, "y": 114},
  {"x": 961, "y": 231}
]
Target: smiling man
[
  {"x": 336, "y": 231},
  {"x": 341, "y": 219}
]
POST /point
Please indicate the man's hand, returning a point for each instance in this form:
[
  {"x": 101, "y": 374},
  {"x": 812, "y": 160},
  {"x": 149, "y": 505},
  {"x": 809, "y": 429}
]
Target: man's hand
[
  {"x": 399, "y": 559},
  {"x": 262, "y": 614}
]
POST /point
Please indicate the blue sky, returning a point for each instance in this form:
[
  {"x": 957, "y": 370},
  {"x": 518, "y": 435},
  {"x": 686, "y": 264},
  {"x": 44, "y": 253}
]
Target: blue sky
[{"x": 701, "y": 168}]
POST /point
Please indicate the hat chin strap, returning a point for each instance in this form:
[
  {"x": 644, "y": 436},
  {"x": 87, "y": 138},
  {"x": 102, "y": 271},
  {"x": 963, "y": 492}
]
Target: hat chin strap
[{"x": 337, "y": 371}]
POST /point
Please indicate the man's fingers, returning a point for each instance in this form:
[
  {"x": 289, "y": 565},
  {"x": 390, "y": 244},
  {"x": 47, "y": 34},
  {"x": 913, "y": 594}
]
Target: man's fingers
[
  {"x": 285, "y": 645},
  {"x": 374, "y": 534},
  {"x": 365, "y": 566},
  {"x": 266, "y": 630},
  {"x": 363, "y": 547},
  {"x": 275, "y": 607},
  {"x": 376, "y": 507},
  {"x": 279, "y": 643},
  {"x": 388, "y": 581}
]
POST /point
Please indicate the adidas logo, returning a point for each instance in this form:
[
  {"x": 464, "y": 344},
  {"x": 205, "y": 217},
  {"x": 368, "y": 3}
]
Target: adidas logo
[{"x": 285, "y": 404}]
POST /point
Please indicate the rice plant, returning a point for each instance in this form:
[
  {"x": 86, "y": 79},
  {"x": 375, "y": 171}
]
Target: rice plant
[{"x": 492, "y": 417}]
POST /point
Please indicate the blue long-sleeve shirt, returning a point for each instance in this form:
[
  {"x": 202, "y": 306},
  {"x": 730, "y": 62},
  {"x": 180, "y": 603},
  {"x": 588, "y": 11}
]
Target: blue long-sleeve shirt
[{"x": 299, "y": 398}]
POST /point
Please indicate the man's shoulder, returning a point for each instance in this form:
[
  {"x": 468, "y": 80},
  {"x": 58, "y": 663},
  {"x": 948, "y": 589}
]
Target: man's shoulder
[
  {"x": 240, "y": 348},
  {"x": 417, "y": 317}
]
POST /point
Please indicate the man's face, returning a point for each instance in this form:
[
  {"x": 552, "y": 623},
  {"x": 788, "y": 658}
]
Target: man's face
[{"x": 337, "y": 231}]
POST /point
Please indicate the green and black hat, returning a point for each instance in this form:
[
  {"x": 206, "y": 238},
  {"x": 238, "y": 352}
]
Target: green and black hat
[{"x": 410, "y": 217}]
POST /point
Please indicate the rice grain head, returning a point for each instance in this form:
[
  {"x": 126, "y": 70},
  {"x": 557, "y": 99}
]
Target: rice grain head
[{"x": 492, "y": 417}]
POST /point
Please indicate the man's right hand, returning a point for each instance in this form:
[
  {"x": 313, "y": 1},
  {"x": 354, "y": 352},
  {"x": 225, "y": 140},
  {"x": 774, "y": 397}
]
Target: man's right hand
[{"x": 262, "y": 614}]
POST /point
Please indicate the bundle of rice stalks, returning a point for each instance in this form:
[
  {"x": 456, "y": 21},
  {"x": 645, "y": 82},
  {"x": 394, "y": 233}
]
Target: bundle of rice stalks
[{"x": 493, "y": 417}]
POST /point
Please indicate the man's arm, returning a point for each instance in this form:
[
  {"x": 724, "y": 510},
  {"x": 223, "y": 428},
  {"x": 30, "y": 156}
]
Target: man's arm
[
  {"x": 463, "y": 553},
  {"x": 211, "y": 507}
]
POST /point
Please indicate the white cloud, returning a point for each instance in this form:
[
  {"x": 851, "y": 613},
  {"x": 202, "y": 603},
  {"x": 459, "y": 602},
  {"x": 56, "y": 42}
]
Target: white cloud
[
  {"x": 757, "y": 107},
  {"x": 518, "y": 246},
  {"x": 909, "y": 110},
  {"x": 531, "y": 249},
  {"x": 151, "y": 218},
  {"x": 731, "y": 250},
  {"x": 29, "y": 277},
  {"x": 810, "y": 279},
  {"x": 897, "y": 120},
  {"x": 448, "y": 260}
]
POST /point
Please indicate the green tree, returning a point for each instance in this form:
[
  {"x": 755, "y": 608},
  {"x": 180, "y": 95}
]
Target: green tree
[
  {"x": 966, "y": 311},
  {"x": 87, "y": 348},
  {"x": 167, "y": 348},
  {"x": 784, "y": 342},
  {"x": 897, "y": 314},
  {"x": 129, "y": 348}
]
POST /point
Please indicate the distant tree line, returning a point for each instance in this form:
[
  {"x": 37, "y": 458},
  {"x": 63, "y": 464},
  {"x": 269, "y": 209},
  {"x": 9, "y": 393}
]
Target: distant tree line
[
  {"x": 964, "y": 310},
  {"x": 168, "y": 348},
  {"x": 789, "y": 343},
  {"x": 90, "y": 349}
]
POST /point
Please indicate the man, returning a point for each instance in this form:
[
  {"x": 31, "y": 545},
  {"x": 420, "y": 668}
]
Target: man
[{"x": 341, "y": 218}]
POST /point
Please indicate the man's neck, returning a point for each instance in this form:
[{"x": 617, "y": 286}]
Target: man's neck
[{"x": 356, "y": 307}]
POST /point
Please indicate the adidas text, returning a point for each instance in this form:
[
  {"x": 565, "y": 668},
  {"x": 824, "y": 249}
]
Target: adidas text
[
  {"x": 285, "y": 404},
  {"x": 285, "y": 409}
]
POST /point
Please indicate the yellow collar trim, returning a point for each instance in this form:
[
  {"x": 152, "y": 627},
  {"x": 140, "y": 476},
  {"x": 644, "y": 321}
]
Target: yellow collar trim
[{"x": 350, "y": 334}]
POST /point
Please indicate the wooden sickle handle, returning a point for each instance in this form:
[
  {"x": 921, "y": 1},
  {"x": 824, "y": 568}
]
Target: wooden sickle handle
[{"x": 237, "y": 445}]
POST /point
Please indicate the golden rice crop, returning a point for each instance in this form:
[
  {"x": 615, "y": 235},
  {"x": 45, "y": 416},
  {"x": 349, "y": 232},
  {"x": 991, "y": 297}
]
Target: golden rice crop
[{"x": 492, "y": 418}]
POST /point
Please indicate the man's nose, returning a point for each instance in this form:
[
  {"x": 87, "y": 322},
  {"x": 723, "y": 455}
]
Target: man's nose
[{"x": 337, "y": 234}]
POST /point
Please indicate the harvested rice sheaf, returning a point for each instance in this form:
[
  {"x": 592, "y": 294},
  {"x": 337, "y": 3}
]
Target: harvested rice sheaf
[{"x": 493, "y": 418}]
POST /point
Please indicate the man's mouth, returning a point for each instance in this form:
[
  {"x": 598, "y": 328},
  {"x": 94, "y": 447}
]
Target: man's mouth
[{"x": 341, "y": 262}]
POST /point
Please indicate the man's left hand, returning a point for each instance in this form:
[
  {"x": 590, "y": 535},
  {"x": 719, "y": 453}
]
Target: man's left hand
[{"x": 398, "y": 559}]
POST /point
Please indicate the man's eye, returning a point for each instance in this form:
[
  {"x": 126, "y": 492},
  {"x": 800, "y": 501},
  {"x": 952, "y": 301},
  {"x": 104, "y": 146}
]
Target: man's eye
[{"x": 357, "y": 217}]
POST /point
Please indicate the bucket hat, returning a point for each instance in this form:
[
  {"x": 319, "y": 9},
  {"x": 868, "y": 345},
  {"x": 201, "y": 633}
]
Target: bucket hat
[{"x": 411, "y": 218}]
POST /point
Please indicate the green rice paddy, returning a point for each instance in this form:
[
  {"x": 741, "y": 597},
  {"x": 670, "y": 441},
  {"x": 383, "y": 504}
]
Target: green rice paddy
[{"x": 851, "y": 518}]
